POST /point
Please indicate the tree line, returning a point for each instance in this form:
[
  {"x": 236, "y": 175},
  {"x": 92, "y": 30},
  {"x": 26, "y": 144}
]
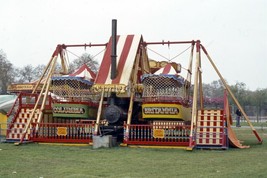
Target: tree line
[{"x": 254, "y": 102}]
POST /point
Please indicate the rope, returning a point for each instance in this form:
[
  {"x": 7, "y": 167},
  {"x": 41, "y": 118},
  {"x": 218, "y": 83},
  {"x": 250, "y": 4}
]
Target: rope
[
  {"x": 158, "y": 54},
  {"x": 80, "y": 56},
  {"x": 73, "y": 53},
  {"x": 98, "y": 53},
  {"x": 93, "y": 67},
  {"x": 180, "y": 53},
  {"x": 169, "y": 57}
]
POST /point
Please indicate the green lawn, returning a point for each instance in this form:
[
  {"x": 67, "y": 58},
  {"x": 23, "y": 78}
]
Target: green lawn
[
  {"x": 36, "y": 160},
  {"x": 255, "y": 124}
]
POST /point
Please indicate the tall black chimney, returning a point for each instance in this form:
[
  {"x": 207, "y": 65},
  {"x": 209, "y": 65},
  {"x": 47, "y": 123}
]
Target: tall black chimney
[{"x": 114, "y": 50}]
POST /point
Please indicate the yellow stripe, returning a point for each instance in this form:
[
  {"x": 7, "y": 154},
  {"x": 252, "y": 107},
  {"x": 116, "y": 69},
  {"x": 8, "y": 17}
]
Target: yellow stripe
[
  {"x": 67, "y": 144},
  {"x": 152, "y": 146}
]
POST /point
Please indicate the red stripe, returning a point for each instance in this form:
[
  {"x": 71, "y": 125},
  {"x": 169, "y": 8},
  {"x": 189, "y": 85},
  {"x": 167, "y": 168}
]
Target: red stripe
[
  {"x": 167, "y": 69},
  {"x": 123, "y": 58},
  {"x": 81, "y": 69},
  {"x": 78, "y": 71},
  {"x": 257, "y": 135},
  {"x": 105, "y": 64}
]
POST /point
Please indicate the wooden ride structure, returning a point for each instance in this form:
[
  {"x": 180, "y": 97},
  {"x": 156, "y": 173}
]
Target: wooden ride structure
[{"x": 137, "y": 100}]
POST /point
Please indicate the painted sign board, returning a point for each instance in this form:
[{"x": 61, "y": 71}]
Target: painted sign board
[
  {"x": 23, "y": 87},
  {"x": 70, "y": 110},
  {"x": 165, "y": 111}
]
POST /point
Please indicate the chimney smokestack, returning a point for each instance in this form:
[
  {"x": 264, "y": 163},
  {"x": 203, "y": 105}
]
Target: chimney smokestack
[{"x": 114, "y": 50}]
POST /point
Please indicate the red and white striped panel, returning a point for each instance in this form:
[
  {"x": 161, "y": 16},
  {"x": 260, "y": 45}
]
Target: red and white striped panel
[
  {"x": 168, "y": 69},
  {"x": 210, "y": 127},
  {"x": 18, "y": 136},
  {"x": 127, "y": 47},
  {"x": 21, "y": 121},
  {"x": 25, "y": 114},
  {"x": 16, "y": 133},
  {"x": 85, "y": 72},
  {"x": 19, "y": 125},
  {"x": 14, "y": 136},
  {"x": 27, "y": 110}
]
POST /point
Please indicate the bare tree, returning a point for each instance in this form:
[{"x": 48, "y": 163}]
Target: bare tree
[
  {"x": 26, "y": 74},
  {"x": 213, "y": 89},
  {"x": 84, "y": 59},
  {"x": 38, "y": 71},
  {"x": 29, "y": 73},
  {"x": 241, "y": 93},
  {"x": 7, "y": 72}
]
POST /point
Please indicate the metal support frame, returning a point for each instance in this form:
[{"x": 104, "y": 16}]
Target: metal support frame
[
  {"x": 132, "y": 90},
  {"x": 232, "y": 95}
]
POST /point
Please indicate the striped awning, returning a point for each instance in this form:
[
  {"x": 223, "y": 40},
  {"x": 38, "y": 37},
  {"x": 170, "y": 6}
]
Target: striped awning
[
  {"x": 167, "y": 69},
  {"x": 84, "y": 72},
  {"x": 127, "y": 49}
]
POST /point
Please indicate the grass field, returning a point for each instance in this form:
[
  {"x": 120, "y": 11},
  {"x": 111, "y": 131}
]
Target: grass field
[{"x": 37, "y": 160}]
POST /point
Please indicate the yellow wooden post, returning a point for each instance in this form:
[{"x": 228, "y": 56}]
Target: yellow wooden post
[
  {"x": 189, "y": 72},
  {"x": 42, "y": 76},
  {"x": 133, "y": 88},
  {"x": 47, "y": 83},
  {"x": 195, "y": 95},
  {"x": 39, "y": 97},
  {"x": 99, "y": 112},
  {"x": 201, "y": 100}
]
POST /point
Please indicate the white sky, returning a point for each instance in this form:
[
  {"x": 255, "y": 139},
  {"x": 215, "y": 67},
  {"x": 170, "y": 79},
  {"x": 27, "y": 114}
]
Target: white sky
[{"x": 234, "y": 32}]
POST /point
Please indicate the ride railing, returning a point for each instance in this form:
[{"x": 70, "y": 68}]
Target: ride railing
[
  {"x": 159, "y": 134},
  {"x": 171, "y": 99},
  {"x": 63, "y": 132},
  {"x": 29, "y": 100},
  {"x": 24, "y": 100}
]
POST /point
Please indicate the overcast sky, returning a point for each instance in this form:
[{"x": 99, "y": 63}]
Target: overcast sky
[{"x": 234, "y": 32}]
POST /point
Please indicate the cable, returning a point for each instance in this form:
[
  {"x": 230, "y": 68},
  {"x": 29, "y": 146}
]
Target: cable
[
  {"x": 168, "y": 59},
  {"x": 91, "y": 56},
  {"x": 158, "y": 54},
  {"x": 98, "y": 53},
  {"x": 73, "y": 53},
  {"x": 180, "y": 53}
]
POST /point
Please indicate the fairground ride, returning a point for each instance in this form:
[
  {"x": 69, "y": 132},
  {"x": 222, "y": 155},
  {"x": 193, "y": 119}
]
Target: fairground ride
[{"x": 133, "y": 99}]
